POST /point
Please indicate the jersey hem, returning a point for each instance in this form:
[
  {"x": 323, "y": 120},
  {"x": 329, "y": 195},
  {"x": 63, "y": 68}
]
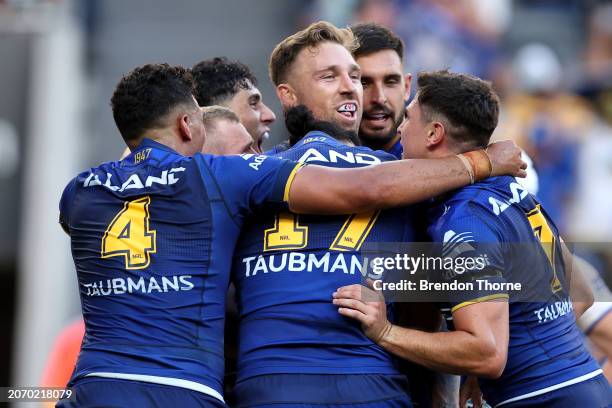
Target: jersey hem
[
  {"x": 323, "y": 370},
  {"x": 175, "y": 382},
  {"x": 555, "y": 387}
]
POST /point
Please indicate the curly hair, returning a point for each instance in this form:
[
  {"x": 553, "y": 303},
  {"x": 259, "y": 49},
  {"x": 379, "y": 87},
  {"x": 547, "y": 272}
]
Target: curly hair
[
  {"x": 286, "y": 51},
  {"x": 146, "y": 94},
  {"x": 219, "y": 79}
]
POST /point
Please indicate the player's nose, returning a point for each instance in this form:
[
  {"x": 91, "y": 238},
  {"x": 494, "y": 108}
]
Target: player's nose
[
  {"x": 267, "y": 116},
  {"x": 347, "y": 86},
  {"x": 378, "y": 95}
]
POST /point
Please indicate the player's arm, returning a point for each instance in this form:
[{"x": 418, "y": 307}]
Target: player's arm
[
  {"x": 64, "y": 206},
  {"x": 601, "y": 333},
  {"x": 575, "y": 274},
  {"x": 324, "y": 190},
  {"x": 478, "y": 346},
  {"x": 596, "y": 321}
]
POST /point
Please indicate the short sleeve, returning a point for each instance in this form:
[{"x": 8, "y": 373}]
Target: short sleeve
[
  {"x": 64, "y": 206},
  {"x": 473, "y": 256},
  {"x": 249, "y": 182}
]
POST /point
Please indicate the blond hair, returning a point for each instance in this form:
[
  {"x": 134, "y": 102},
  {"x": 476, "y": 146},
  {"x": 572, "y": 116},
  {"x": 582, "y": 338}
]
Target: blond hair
[
  {"x": 286, "y": 51},
  {"x": 211, "y": 114}
]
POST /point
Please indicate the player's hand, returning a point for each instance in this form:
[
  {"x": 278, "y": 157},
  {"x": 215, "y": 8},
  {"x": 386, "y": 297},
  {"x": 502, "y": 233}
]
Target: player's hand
[
  {"x": 365, "y": 305},
  {"x": 506, "y": 159},
  {"x": 470, "y": 390}
]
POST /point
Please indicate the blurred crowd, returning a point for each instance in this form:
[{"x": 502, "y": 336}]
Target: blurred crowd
[{"x": 551, "y": 61}]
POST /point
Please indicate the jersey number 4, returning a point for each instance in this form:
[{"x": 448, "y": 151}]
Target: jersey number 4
[
  {"x": 287, "y": 232},
  {"x": 128, "y": 235}
]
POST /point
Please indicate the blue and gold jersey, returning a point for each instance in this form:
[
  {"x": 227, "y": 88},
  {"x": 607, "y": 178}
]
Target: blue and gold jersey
[
  {"x": 152, "y": 239},
  {"x": 287, "y": 266},
  {"x": 499, "y": 221}
]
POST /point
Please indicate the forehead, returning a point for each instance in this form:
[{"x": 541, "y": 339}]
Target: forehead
[
  {"x": 322, "y": 56},
  {"x": 244, "y": 94},
  {"x": 234, "y": 128},
  {"x": 413, "y": 107},
  {"x": 385, "y": 62}
]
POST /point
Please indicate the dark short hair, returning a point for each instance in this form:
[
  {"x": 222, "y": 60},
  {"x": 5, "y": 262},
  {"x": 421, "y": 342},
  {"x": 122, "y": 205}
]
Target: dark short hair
[
  {"x": 299, "y": 120},
  {"x": 374, "y": 38},
  {"x": 146, "y": 94},
  {"x": 285, "y": 53},
  {"x": 219, "y": 79},
  {"x": 468, "y": 105}
]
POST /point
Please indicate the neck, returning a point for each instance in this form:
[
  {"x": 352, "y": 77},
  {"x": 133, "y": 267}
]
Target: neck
[
  {"x": 442, "y": 151},
  {"x": 391, "y": 143},
  {"x": 168, "y": 138},
  {"x": 377, "y": 144}
]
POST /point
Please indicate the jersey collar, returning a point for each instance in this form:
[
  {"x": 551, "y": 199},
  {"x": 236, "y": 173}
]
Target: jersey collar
[
  {"x": 316, "y": 136},
  {"x": 146, "y": 142}
]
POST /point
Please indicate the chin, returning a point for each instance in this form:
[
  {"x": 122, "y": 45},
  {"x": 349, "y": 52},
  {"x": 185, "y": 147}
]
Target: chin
[{"x": 377, "y": 135}]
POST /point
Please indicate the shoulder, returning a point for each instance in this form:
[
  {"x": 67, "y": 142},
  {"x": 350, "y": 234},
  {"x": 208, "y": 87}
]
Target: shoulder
[
  {"x": 468, "y": 209},
  {"x": 483, "y": 198}
]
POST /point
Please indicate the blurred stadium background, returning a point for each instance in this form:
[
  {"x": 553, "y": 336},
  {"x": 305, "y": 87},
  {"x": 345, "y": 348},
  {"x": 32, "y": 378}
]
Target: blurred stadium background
[{"x": 551, "y": 60}]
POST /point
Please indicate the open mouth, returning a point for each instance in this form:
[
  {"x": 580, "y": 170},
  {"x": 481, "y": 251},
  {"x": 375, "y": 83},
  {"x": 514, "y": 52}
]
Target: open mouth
[
  {"x": 348, "y": 110},
  {"x": 376, "y": 116}
]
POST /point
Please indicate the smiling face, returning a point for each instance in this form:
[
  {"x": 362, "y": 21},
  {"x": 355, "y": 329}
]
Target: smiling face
[
  {"x": 385, "y": 91},
  {"x": 253, "y": 113},
  {"x": 327, "y": 80}
]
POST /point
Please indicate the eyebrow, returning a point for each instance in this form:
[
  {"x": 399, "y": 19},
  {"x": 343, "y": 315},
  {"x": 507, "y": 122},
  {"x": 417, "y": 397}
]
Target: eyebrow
[
  {"x": 352, "y": 68},
  {"x": 256, "y": 97},
  {"x": 393, "y": 76},
  {"x": 327, "y": 68}
]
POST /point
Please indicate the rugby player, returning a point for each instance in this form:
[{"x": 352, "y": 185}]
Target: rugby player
[
  {"x": 292, "y": 343},
  {"x": 294, "y": 349},
  {"x": 231, "y": 84},
  {"x": 527, "y": 354},
  {"x": 152, "y": 238},
  {"x": 386, "y": 88}
]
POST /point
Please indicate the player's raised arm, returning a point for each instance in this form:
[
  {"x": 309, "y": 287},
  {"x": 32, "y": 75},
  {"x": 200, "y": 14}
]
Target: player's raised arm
[{"x": 327, "y": 190}]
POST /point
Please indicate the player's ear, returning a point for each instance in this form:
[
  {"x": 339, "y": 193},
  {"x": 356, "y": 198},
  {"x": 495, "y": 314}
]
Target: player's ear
[
  {"x": 184, "y": 127},
  {"x": 435, "y": 134},
  {"x": 407, "y": 84},
  {"x": 286, "y": 95}
]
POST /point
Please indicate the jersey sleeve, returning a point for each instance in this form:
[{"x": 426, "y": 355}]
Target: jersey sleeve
[
  {"x": 249, "y": 182},
  {"x": 472, "y": 254},
  {"x": 64, "y": 206}
]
